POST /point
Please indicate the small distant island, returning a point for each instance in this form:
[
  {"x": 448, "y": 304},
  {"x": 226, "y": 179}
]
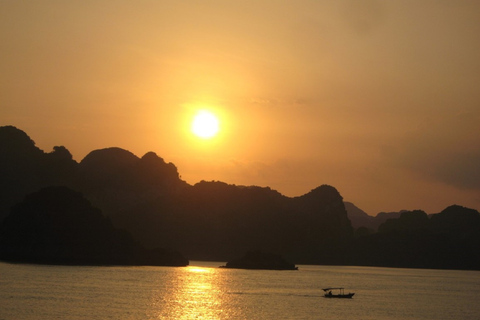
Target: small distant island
[{"x": 260, "y": 261}]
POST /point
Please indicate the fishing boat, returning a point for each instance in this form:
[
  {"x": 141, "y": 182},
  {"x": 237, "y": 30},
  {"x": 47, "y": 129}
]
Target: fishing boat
[{"x": 339, "y": 293}]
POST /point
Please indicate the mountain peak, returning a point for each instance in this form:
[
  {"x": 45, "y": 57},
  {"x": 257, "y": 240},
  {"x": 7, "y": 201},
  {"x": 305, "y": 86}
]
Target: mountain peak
[
  {"x": 110, "y": 159},
  {"x": 15, "y": 142}
]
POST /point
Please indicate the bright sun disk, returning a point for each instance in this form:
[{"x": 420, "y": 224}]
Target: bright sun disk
[{"x": 205, "y": 125}]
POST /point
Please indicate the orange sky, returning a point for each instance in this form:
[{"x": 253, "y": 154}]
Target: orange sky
[{"x": 380, "y": 99}]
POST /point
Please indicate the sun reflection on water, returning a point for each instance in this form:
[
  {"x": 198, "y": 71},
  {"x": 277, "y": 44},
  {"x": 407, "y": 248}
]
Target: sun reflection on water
[
  {"x": 194, "y": 293},
  {"x": 199, "y": 269}
]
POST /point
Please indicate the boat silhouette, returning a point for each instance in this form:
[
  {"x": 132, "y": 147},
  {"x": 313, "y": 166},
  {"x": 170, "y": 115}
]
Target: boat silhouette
[{"x": 339, "y": 293}]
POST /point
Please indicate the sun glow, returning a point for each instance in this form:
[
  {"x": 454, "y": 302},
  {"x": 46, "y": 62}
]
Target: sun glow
[{"x": 205, "y": 125}]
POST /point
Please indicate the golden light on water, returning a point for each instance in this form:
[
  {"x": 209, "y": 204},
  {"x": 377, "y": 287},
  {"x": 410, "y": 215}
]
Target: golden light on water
[
  {"x": 199, "y": 269},
  {"x": 199, "y": 294}
]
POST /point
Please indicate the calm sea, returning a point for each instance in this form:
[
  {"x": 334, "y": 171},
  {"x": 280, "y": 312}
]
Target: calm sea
[{"x": 203, "y": 291}]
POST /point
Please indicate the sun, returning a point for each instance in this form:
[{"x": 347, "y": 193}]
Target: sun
[{"x": 205, "y": 125}]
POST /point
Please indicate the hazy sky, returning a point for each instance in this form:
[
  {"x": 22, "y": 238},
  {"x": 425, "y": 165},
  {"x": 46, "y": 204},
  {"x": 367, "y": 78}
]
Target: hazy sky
[{"x": 380, "y": 99}]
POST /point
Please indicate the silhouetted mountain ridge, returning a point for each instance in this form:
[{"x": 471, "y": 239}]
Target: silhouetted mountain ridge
[
  {"x": 360, "y": 218},
  {"x": 215, "y": 220},
  {"x": 449, "y": 240},
  {"x": 209, "y": 220}
]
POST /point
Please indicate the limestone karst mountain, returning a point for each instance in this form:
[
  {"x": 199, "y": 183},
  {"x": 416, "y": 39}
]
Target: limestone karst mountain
[{"x": 219, "y": 221}]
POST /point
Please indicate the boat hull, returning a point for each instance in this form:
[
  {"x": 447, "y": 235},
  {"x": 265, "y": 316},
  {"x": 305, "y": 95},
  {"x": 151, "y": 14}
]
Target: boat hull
[{"x": 341, "y": 296}]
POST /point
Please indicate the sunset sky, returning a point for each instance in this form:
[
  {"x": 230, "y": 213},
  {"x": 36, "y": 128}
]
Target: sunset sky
[{"x": 380, "y": 99}]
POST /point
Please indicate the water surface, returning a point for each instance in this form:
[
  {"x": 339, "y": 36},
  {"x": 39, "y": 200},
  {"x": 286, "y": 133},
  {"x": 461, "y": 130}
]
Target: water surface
[{"x": 203, "y": 291}]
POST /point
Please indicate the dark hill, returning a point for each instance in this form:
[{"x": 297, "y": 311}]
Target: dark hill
[
  {"x": 15, "y": 144},
  {"x": 116, "y": 180},
  {"x": 447, "y": 240},
  {"x": 217, "y": 221},
  {"x": 24, "y": 168},
  {"x": 59, "y": 226},
  {"x": 457, "y": 220},
  {"x": 106, "y": 164},
  {"x": 108, "y": 161}
]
